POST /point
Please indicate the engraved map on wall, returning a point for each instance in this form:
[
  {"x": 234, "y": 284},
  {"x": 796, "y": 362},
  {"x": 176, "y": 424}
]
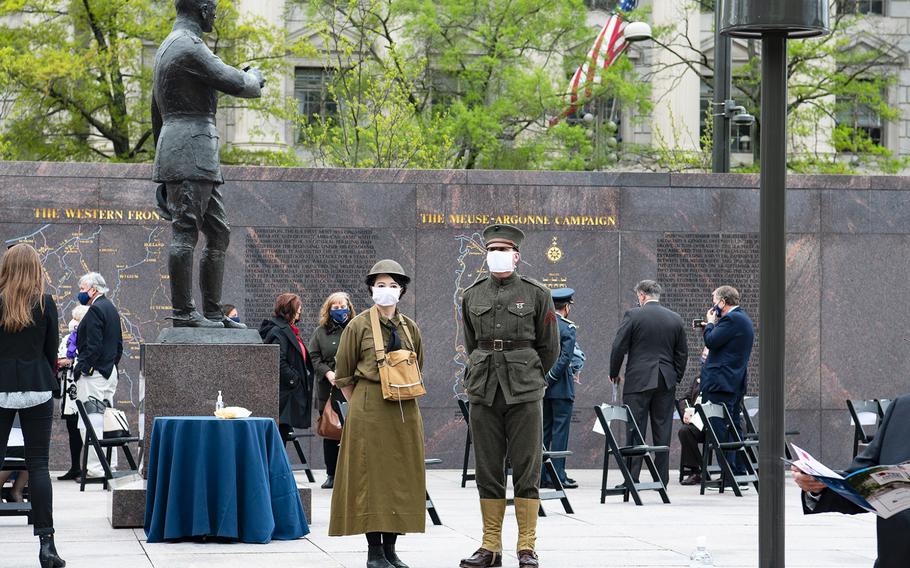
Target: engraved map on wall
[
  {"x": 691, "y": 266},
  {"x": 129, "y": 257},
  {"x": 309, "y": 262}
]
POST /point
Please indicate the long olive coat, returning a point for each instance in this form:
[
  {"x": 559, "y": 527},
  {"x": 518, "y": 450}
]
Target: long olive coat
[
  {"x": 380, "y": 482},
  {"x": 323, "y": 347}
]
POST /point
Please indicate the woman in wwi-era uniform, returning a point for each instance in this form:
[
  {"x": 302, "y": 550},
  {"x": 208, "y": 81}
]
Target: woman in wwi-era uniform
[{"x": 380, "y": 480}]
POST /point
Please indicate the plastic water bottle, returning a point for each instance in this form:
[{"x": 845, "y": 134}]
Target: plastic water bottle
[
  {"x": 700, "y": 557},
  {"x": 219, "y": 402}
]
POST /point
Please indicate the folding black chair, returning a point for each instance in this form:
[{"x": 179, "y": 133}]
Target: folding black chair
[
  {"x": 431, "y": 507},
  {"x": 863, "y": 413},
  {"x": 733, "y": 443},
  {"x": 883, "y": 404},
  {"x": 558, "y": 491},
  {"x": 103, "y": 448},
  {"x": 466, "y": 476},
  {"x": 342, "y": 409},
  {"x": 11, "y": 508},
  {"x": 750, "y": 408},
  {"x": 623, "y": 455},
  {"x": 292, "y": 437}
]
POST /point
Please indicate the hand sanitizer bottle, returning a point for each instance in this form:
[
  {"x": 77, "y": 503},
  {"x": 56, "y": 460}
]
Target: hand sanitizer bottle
[
  {"x": 219, "y": 402},
  {"x": 700, "y": 557}
]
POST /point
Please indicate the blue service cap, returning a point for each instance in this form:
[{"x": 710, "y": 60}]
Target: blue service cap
[{"x": 563, "y": 295}]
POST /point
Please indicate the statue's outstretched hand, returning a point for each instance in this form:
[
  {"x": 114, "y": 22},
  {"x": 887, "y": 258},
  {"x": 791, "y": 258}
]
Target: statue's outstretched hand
[{"x": 255, "y": 72}]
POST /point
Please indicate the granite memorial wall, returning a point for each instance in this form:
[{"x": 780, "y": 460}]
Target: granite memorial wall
[{"x": 313, "y": 231}]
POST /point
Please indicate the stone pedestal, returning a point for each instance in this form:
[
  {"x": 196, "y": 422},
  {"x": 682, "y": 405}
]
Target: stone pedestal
[
  {"x": 180, "y": 375},
  {"x": 126, "y": 502}
]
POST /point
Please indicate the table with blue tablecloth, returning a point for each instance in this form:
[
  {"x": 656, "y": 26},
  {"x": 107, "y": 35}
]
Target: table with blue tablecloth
[{"x": 211, "y": 477}]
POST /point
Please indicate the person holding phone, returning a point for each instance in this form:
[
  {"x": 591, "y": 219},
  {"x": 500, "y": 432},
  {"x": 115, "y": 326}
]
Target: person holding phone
[{"x": 728, "y": 335}]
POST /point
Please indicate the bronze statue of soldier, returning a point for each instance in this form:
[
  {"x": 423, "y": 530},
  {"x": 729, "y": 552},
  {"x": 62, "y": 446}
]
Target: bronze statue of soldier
[{"x": 186, "y": 82}]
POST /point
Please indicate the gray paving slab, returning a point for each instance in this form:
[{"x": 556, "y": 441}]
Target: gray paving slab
[{"x": 614, "y": 534}]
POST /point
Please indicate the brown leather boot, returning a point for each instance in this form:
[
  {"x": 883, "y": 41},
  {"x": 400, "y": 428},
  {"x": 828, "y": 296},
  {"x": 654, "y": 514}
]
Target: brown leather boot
[
  {"x": 526, "y": 515},
  {"x": 483, "y": 558},
  {"x": 527, "y": 559}
]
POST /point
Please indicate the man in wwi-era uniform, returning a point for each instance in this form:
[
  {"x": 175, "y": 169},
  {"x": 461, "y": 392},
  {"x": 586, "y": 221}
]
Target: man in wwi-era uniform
[
  {"x": 186, "y": 82},
  {"x": 512, "y": 339}
]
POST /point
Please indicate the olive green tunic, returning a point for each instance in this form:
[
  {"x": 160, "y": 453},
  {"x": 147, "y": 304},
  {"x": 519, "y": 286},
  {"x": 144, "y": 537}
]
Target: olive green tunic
[{"x": 380, "y": 482}]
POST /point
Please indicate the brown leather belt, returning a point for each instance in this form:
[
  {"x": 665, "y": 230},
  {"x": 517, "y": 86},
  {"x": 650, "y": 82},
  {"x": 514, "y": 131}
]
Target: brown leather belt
[{"x": 504, "y": 344}]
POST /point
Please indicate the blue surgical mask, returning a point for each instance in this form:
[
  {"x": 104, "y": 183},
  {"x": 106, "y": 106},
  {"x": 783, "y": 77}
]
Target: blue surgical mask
[
  {"x": 83, "y": 298},
  {"x": 235, "y": 319},
  {"x": 340, "y": 316}
]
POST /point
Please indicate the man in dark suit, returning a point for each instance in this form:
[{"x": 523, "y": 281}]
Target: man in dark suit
[
  {"x": 888, "y": 447},
  {"x": 99, "y": 347},
  {"x": 728, "y": 335},
  {"x": 560, "y": 394},
  {"x": 654, "y": 338}
]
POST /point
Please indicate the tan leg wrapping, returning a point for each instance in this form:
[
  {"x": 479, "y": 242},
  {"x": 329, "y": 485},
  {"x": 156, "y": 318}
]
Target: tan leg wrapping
[
  {"x": 492, "y": 511},
  {"x": 526, "y": 515}
]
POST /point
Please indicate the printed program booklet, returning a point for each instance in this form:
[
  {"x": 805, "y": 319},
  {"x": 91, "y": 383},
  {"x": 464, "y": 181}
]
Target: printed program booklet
[{"x": 883, "y": 489}]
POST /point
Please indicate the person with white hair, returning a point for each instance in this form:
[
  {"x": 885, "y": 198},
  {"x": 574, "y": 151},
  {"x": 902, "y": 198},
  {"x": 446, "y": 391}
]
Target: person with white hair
[
  {"x": 99, "y": 345},
  {"x": 66, "y": 357}
]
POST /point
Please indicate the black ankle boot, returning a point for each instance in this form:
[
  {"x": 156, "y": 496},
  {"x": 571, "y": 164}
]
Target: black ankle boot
[
  {"x": 376, "y": 557},
  {"x": 389, "y": 551},
  {"x": 47, "y": 555}
]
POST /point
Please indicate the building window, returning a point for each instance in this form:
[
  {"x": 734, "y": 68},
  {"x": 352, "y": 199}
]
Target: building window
[
  {"x": 605, "y": 5},
  {"x": 861, "y": 119},
  {"x": 862, "y": 7},
  {"x": 312, "y": 93}
]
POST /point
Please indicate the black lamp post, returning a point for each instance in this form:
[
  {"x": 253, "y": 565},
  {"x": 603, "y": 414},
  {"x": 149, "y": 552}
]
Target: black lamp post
[{"x": 774, "y": 21}]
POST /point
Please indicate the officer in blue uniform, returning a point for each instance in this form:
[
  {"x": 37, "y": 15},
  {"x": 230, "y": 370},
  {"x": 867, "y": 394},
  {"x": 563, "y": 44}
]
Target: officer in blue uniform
[{"x": 560, "y": 394}]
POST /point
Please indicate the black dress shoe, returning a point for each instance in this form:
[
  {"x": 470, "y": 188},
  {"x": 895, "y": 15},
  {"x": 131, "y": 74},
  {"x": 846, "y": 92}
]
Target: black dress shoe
[
  {"x": 69, "y": 476},
  {"x": 483, "y": 558},
  {"x": 329, "y": 482},
  {"x": 694, "y": 479},
  {"x": 570, "y": 483}
]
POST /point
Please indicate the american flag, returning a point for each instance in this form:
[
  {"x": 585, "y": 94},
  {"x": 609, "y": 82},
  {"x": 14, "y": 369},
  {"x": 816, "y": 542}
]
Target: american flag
[
  {"x": 627, "y": 5},
  {"x": 607, "y": 47}
]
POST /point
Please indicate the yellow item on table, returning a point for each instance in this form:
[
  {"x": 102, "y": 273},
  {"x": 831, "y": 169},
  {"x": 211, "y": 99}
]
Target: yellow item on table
[{"x": 233, "y": 412}]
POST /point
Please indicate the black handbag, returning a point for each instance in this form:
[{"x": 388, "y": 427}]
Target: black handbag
[{"x": 61, "y": 382}]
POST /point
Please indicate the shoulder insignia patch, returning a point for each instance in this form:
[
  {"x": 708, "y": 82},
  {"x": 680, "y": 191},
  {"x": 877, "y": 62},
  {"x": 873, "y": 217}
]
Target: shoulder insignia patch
[{"x": 550, "y": 317}]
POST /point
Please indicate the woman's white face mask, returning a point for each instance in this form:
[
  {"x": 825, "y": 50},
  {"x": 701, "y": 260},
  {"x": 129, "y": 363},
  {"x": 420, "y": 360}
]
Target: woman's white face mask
[
  {"x": 386, "y": 296},
  {"x": 500, "y": 261}
]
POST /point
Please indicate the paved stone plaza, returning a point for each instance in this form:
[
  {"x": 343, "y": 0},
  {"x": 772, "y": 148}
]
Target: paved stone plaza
[{"x": 616, "y": 534}]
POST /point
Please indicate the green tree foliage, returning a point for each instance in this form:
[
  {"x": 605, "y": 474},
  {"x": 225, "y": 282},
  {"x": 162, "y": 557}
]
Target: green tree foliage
[
  {"x": 829, "y": 78},
  {"x": 76, "y": 74},
  {"x": 448, "y": 83}
]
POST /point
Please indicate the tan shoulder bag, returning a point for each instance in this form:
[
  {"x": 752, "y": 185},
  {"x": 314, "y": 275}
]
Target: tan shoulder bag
[{"x": 399, "y": 372}]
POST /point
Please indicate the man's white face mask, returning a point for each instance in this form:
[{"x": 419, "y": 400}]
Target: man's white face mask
[{"x": 500, "y": 261}]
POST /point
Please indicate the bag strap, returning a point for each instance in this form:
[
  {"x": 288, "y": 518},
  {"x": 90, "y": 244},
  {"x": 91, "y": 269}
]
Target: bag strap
[
  {"x": 404, "y": 326},
  {"x": 377, "y": 336}
]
